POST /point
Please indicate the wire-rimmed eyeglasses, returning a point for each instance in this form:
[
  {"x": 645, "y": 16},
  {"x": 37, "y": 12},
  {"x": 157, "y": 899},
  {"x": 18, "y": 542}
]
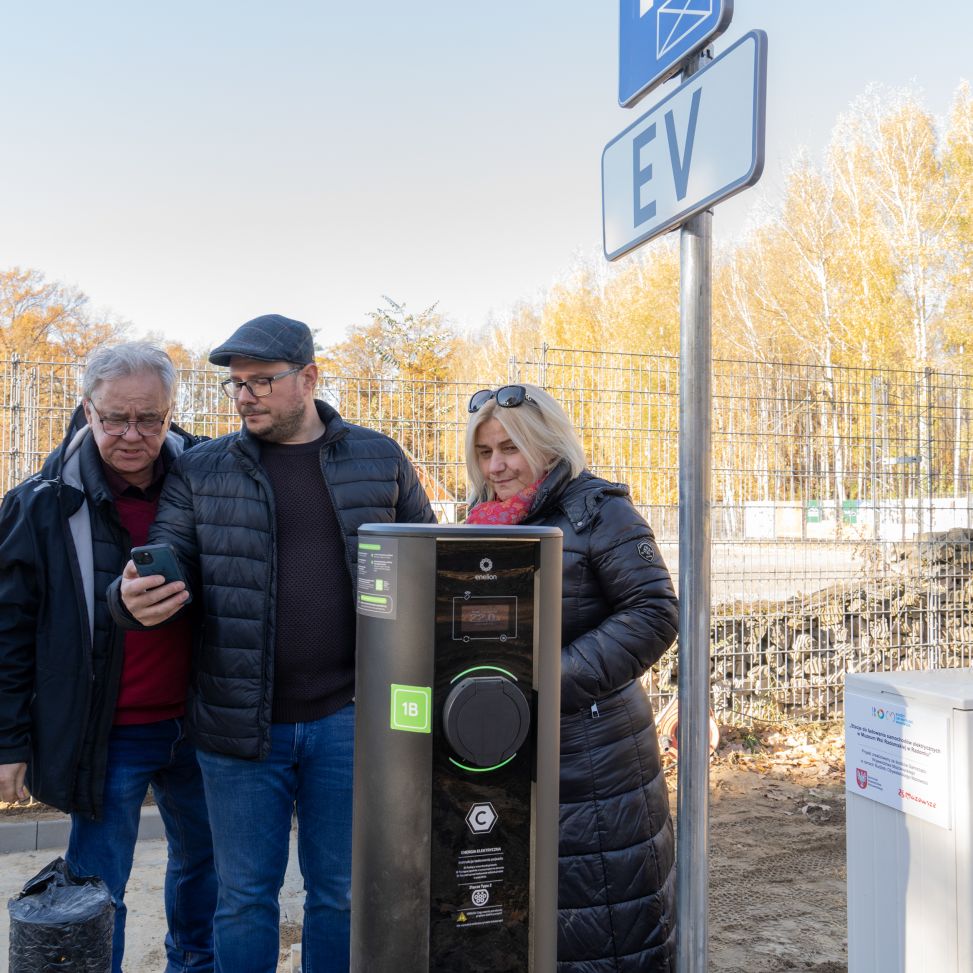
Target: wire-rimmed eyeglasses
[
  {"x": 257, "y": 387},
  {"x": 118, "y": 427},
  {"x": 507, "y": 396}
]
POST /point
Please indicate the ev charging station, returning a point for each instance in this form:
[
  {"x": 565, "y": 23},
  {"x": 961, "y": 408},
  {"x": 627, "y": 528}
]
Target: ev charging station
[{"x": 455, "y": 834}]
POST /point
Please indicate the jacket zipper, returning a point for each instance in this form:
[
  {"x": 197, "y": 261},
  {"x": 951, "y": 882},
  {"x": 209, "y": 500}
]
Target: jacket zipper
[
  {"x": 594, "y": 711},
  {"x": 254, "y": 471},
  {"x": 322, "y": 462},
  {"x": 86, "y": 646}
]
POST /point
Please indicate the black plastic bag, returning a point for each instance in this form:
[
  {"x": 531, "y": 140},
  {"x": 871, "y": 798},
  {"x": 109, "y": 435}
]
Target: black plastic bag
[{"x": 61, "y": 922}]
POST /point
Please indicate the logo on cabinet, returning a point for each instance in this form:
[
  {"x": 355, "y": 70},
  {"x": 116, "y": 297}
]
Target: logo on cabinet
[{"x": 481, "y": 818}]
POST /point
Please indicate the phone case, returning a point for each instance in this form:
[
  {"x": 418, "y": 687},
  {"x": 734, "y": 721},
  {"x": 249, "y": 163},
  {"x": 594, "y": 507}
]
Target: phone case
[{"x": 161, "y": 559}]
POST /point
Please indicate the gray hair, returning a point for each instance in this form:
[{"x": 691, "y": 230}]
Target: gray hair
[
  {"x": 541, "y": 430},
  {"x": 129, "y": 358}
]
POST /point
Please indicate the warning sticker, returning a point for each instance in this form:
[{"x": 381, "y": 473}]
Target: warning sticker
[
  {"x": 377, "y": 575},
  {"x": 472, "y": 917}
]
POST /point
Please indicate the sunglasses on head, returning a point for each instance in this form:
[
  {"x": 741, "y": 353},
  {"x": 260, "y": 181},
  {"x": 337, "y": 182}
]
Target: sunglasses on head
[{"x": 507, "y": 396}]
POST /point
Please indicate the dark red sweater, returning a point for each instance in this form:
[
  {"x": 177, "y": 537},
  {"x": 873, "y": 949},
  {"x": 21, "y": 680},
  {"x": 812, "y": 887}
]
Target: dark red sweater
[{"x": 155, "y": 671}]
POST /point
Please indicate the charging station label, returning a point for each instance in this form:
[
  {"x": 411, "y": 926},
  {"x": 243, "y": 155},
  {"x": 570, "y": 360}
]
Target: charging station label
[
  {"x": 411, "y": 708},
  {"x": 479, "y": 873},
  {"x": 377, "y": 575}
]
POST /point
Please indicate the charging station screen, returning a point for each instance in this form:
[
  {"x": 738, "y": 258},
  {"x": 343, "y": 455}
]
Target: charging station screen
[{"x": 482, "y": 618}]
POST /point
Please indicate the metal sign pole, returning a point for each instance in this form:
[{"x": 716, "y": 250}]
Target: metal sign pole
[
  {"x": 652, "y": 181},
  {"x": 695, "y": 407}
]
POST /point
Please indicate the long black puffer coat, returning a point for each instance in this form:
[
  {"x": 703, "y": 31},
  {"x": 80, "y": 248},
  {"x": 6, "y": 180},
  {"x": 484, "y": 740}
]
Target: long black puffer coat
[{"x": 616, "y": 894}]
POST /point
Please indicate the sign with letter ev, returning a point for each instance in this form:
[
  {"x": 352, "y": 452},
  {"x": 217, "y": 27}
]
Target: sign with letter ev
[
  {"x": 656, "y": 36},
  {"x": 700, "y": 145}
]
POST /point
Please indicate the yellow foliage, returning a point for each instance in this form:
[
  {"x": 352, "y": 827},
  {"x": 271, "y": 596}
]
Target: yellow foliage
[{"x": 44, "y": 321}]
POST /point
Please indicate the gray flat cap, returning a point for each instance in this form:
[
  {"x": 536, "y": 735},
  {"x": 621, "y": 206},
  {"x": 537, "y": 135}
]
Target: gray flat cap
[{"x": 271, "y": 337}]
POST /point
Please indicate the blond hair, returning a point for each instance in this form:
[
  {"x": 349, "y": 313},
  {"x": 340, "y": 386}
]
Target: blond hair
[{"x": 540, "y": 429}]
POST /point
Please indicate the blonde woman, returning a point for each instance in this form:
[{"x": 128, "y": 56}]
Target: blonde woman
[{"x": 616, "y": 895}]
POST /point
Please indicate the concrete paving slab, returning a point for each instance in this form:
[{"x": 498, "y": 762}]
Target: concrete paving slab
[
  {"x": 18, "y": 836},
  {"x": 53, "y": 832}
]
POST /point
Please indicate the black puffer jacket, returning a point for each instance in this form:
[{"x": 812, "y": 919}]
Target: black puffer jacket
[
  {"x": 61, "y": 544},
  {"x": 616, "y": 893},
  {"x": 217, "y": 510}
]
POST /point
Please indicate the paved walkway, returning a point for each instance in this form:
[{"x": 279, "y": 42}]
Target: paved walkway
[{"x": 146, "y": 919}]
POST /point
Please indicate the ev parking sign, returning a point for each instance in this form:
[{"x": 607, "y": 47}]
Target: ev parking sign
[
  {"x": 656, "y": 36},
  {"x": 698, "y": 146}
]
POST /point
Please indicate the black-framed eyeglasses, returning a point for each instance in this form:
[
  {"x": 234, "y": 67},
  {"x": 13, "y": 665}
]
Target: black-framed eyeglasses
[
  {"x": 507, "y": 396},
  {"x": 118, "y": 427},
  {"x": 257, "y": 387}
]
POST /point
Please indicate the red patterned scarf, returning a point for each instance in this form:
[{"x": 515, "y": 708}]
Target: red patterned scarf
[{"x": 511, "y": 511}]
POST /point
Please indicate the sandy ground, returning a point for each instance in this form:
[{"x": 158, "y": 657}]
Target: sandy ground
[
  {"x": 777, "y": 867},
  {"x": 146, "y": 920},
  {"x": 777, "y": 873}
]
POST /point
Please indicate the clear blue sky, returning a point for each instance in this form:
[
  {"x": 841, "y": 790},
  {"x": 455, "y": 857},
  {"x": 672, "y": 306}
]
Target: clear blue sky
[{"x": 192, "y": 164}]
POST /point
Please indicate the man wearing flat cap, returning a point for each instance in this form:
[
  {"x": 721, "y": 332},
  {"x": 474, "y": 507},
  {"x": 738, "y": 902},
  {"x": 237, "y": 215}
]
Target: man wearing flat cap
[{"x": 265, "y": 524}]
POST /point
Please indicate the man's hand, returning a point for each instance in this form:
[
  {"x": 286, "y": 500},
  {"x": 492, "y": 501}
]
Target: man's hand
[
  {"x": 148, "y": 599},
  {"x": 12, "y": 783}
]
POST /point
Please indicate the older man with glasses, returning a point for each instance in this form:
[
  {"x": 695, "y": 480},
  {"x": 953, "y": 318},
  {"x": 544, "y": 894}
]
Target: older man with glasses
[
  {"x": 91, "y": 716},
  {"x": 265, "y": 523}
]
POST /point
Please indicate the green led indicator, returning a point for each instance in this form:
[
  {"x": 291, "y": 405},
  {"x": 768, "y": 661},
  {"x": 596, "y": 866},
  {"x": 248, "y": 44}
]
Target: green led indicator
[
  {"x": 411, "y": 708},
  {"x": 369, "y": 547},
  {"x": 379, "y": 584},
  {"x": 482, "y": 770},
  {"x": 466, "y": 672},
  {"x": 372, "y": 600}
]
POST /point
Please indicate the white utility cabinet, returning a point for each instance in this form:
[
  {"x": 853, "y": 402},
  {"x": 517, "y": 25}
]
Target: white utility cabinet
[{"x": 909, "y": 777}]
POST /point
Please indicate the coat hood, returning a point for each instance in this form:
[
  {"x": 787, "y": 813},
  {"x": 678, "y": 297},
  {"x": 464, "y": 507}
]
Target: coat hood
[{"x": 579, "y": 497}]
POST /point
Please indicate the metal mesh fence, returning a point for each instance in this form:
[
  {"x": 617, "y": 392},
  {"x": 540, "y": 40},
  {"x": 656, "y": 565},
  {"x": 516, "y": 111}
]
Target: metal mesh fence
[
  {"x": 841, "y": 515},
  {"x": 842, "y": 501}
]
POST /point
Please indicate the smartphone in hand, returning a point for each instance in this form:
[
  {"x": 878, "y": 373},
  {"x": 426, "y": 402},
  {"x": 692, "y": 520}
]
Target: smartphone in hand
[{"x": 159, "y": 559}]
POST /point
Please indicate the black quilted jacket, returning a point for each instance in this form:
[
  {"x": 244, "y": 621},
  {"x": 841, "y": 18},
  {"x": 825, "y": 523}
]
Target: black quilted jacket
[
  {"x": 616, "y": 893},
  {"x": 217, "y": 510},
  {"x": 61, "y": 544}
]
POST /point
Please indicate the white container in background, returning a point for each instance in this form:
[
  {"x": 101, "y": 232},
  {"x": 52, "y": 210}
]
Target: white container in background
[{"x": 909, "y": 777}]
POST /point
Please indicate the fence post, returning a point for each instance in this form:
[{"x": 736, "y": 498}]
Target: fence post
[
  {"x": 933, "y": 627},
  {"x": 930, "y": 478},
  {"x": 958, "y": 431},
  {"x": 874, "y": 458},
  {"x": 16, "y": 420}
]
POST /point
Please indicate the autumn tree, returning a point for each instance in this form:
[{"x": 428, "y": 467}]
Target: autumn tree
[
  {"x": 958, "y": 165},
  {"x": 484, "y": 357},
  {"x": 395, "y": 343},
  {"x": 45, "y": 329},
  {"x": 899, "y": 166},
  {"x": 400, "y": 364},
  {"x": 43, "y": 320}
]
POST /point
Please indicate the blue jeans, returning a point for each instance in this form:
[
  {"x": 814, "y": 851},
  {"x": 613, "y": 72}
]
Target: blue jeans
[
  {"x": 155, "y": 754},
  {"x": 251, "y": 805}
]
